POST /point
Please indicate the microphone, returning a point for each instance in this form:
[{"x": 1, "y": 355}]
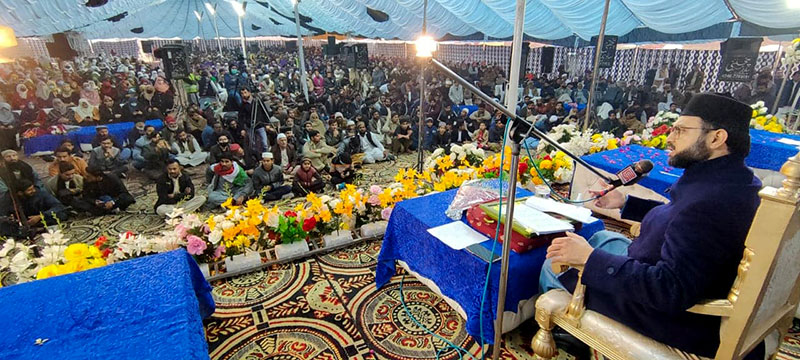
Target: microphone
[{"x": 629, "y": 175}]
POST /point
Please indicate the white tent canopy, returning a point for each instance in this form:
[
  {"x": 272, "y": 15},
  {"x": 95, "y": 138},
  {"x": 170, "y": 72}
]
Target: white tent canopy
[{"x": 545, "y": 19}]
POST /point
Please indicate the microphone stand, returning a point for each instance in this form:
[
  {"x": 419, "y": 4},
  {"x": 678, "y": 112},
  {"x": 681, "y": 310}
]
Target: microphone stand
[{"x": 517, "y": 132}]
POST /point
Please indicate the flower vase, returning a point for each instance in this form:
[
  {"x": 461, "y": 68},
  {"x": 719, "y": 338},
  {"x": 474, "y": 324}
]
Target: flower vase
[
  {"x": 285, "y": 251},
  {"x": 205, "y": 270},
  {"x": 242, "y": 262},
  {"x": 338, "y": 237},
  {"x": 374, "y": 229}
]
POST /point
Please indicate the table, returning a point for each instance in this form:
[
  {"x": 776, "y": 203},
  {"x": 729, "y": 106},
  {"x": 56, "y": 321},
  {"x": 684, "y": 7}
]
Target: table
[
  {"x": 146, "y": 308},
  {"x": 46, "y": 144},
  {"x": 460, "y": 280},
  {"x": 766, "y": 152}
]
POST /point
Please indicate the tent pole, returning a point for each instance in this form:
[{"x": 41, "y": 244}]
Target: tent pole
[
  {"x": 421, "y": 108},
  {"x": 632, "y": 72},
  {"x": 216, "y": 32},
  {"x": 597, "y": 51},
  {"x": 241, "y": 36},
  {"x": 303, "y": 74},
  {"x": 511, "y": 105}
]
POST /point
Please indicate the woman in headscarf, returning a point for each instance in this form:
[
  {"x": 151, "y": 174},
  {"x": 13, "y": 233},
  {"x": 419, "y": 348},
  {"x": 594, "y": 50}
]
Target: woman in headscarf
[
  {"x": 60, "y": 114},
  {"x": 22, "y": 97},
  {"x": 69, "y": 97},
  {"x": 106, "y": 89},
  {"x": 32, "y": 116},
  {"x": 90, "y": 93},
  {"x": 86, "y": 113},
  {"x": 8, "y": 128},
  {"x": 164, "y": 98},
  {"x": 109, "y": 111},
  {"x": 43, "y": 94}
]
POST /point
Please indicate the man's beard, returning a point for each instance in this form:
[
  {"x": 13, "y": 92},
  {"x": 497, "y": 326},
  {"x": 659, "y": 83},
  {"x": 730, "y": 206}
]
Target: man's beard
[{"x": 698, "y": 152}]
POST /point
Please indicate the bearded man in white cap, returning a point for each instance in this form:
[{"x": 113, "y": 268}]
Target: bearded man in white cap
[{"x": 268, "y": 179}]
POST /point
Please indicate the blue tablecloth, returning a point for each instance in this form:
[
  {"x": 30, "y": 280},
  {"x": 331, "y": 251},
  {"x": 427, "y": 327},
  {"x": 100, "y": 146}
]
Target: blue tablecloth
[
  {"x": 147, "y": 308},
  {"x": 660, "y": 178},
  {"x": 461, "y": 275},
  {"x": 45, "y": 144},
  {"x": 766, "y": 152}
]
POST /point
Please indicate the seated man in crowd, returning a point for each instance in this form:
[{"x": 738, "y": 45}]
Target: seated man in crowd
[
  {"x": 155, "y": 154},
  {"x": 16, "y": 169},
  {"x": 284, "y": 154},
  {"x": 63, "y": 156},
  {"x": 460, "y": 134},
  {"x": 318, "y": 151},
  {"x": 109, "y": 111},
  {"x": 342, "y": 171},
  {"x": 401, "y": 138},
  {"x": 688, "y": 250},
  {"x": 37, "y": 205},
  {"x": 138, "y": 145},
  {"x": 67, "y": 187},
  {"x": 223, "y": 145},
  {"x": 307, "y": 179},
  {"x": 102, "y": 133},
  {"x": 370, "y": 145},
  {"x": 246, "y": 158},
  {"x": 334, "y": 136},
  {"x": 107, "y": 158},
  {"x": 268, "y": 179},
  {"x": 175, "y": 189},
  {"x": 105, "y": 192},
  {"x": 441, "y": 140},
  {"x": 227, "y": 178},
  {"x": 187, "y": 149}
]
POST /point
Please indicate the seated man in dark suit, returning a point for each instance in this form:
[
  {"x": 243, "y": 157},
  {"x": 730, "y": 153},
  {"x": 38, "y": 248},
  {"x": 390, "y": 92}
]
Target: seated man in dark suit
[
  {"x": 37, "y": 206},
  {"x": 689, "y": 249},
  {"x": 175, "y": 189},
  {"x": 106, "y": 192}
]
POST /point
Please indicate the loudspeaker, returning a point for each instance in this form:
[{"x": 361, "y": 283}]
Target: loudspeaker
[
  {"x": 254, "y": 48},
  {"x": 546, "y": 61},
  {"x": 331, "y": 49},
  {"x": 60, "y": 47},
  {"x": 348, "y": 56},
  {"x": 176, "y": 64},
  {"x": 147, "y": 46},
  {"x": 291, "y": 45},
  {"x": 361, "y": 55}
]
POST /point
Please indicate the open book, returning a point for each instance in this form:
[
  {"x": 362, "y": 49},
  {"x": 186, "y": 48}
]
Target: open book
[{"x": 527, "y": 220}]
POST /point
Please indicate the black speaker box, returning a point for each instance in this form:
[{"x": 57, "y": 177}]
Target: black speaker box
[
  {"x": 546, "y": 61},
  {"x": 361, "y": 55},
  {"x": 174, "y": 59},
  {"x": 291, "y": 45},
  {"x": 60, "y": 47}
]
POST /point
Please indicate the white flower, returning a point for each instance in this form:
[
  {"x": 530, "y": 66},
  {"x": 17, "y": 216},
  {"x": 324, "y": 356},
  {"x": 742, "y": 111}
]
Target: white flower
[
  {"x": 760, "y": 104},
  {"x": 9, "y": 245},
  {"x": 226, "y": 224},
  {"x": 51, "y": 255},
  {"x": 437, "y": 152},
  {"x": 273, "y": 218},
  {"x": 325, "y": 199},
  {"x": 54, "y": 237},
  {"x": 759, "y": 127},
  {"x": 20, "y": 263},
  {"x": 762, "y": 111},
  {"x": 456, "y": 149},
  {"x": 461, "y": 156},
  {"x": 215, "y": 236}
]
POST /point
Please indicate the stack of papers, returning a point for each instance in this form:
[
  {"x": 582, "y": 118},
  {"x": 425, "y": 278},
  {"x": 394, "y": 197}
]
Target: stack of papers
[
  {"x": 577, "y": 213},
  {"x": 529, "y": 221},
  {"x": 457, "y": 235}
]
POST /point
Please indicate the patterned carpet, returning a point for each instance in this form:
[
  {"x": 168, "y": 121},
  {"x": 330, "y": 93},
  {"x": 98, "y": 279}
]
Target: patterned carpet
[{"x": 327, "y": 307}]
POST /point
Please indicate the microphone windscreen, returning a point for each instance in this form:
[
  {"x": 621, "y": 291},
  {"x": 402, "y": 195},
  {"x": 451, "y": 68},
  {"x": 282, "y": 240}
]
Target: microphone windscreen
[{"x": 644, "y": 166}]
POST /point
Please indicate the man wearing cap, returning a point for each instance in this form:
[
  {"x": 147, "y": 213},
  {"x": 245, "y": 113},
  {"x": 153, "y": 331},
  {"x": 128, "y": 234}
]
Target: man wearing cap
[
  {"x": 284, "y": 154},
  {"x": 12, "y": 169},
  {"x": 227, "y": 179},
  {"x": 268, "y": 179},
  {"x": 688, "y": 249},
  {"x": 318, "y": 151},
  {"x": 175, "y": 189}
]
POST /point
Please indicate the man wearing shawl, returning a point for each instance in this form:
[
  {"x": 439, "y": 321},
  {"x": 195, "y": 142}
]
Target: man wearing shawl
[
  {"x": 227, "y": 180},
  {"x": 60, "y": 114}
]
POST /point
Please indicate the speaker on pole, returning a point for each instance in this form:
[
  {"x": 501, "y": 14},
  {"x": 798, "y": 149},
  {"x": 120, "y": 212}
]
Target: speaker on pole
[
  {"x": 173, "y": 57},
  {"x": 331, "y": 49},
  {"x": 291, "y": 45},
  {"x": 546, "y": 60},
  {"x": 60, "y": 47},
  {"x": 361, "y": 55}
]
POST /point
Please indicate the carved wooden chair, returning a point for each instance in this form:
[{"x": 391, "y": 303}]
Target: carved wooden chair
[{"x": 763, "y": 297}]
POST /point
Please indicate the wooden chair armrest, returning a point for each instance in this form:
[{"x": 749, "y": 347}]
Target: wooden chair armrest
[
  {"x": 576, "y": 307},
  {"x": 716, "y": 307}
]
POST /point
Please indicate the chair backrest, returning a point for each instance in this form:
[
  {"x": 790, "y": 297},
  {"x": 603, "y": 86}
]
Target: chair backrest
[{"x": 765, "y": 294}]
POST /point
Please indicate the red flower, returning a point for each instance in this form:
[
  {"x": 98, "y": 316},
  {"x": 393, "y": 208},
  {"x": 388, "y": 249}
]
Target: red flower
[
  {"x": 106, "y": 252},
  {"x": 100, "y": 241},
  {"x": 547, "y": 157},
  {"x": 661, "y": 130},
  {"x": 523, "y": 167},
  {"x": 290, "y": 213},
  {"x": 309, "y": 224}
]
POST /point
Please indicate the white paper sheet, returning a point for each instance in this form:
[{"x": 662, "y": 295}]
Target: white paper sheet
[
  {"x": 792, "y": 142},
  {"x": 457, "y": 235},
  {"x": 571, "y": 211},
  {"x": 539, "y": 222}
]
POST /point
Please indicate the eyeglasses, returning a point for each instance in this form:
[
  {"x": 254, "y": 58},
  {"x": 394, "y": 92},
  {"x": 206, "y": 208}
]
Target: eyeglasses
[{"x": 679, "y": 130}]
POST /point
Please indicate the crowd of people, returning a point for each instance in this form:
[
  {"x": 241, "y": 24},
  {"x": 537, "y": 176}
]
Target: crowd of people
[{"x": 250, "y": 123}]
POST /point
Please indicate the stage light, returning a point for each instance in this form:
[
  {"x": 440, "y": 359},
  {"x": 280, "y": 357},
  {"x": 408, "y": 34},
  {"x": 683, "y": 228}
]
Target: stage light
[
  {"x": 198, "y": 15},
  {"x": 294, "y": 2},
  {"x": 793, "y": 4},
  {"x": 238, "y": 8},
  {"x": 7, "y": 38},
  {"x": 210, "y": 9},
  {"x": 426, "y": 45}
]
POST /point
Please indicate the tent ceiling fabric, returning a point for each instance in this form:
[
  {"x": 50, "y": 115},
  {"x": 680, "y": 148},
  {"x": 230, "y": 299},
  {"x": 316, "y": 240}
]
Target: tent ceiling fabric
[{"x": 544, "y": 19}]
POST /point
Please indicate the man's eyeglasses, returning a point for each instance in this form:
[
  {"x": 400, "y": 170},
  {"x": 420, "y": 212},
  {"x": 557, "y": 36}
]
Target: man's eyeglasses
[{"x": 680, "y": 130}]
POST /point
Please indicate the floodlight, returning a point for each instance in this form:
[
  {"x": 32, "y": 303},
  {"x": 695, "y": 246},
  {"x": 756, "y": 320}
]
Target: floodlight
[
  {"x": 7, "y": 38},
  {"x": 211, "y": 8},
  {"x": 793, "y": 4},
  {"x": 198, "y": 15},
  {"x": 238, "y": 8},
  {"x": 426, "y": 45}
]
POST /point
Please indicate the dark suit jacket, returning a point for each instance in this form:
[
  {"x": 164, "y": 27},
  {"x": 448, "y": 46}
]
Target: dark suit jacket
[
  {"x": 291, "y": 153},
  {"x": 164, "y": 187},
  {"x": 688, "y": 250}
]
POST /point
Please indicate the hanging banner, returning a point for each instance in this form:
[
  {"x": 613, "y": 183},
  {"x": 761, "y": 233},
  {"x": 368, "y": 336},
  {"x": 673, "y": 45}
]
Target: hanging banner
[
  {"x": 739, "y": 56},
  {"x": 608, "y": 50}
]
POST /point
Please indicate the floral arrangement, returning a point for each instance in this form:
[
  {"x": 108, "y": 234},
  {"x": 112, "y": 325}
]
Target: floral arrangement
[
  {"x": 570, "y": 137},
  {"x": 791, "y": 53},
  {"x": 629, "y": 138},
  {"x": 554, "y": 167},
  {"x": 761, "y": 120},
  {"x": 459, "y": 155},
  {"x": 603, "y": 141}
]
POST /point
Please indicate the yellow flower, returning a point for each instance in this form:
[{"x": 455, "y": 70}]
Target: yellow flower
[
  {"x": 211, "y": 223},
  {"x": 95, "y": 263},
  {"x": 439, "y": 186},
  {"x": 755, "y": 113},
  {"x": 558, "y": 163},
  {"x": 596, "y": 137},
  {"x": 537, "y": 181},
  {"x": 77, "y": 252},
  {"x": 230, "y": 233},
  {"x": 72, "y": 267},
  {"x": 47, "y": 271},
  {"x": 227, "y": 204},
  {"x": 95, "y": 252},
  {"x": 612, "y": 144},
  {"x": 560, "y": 154},
  {"x": 546, "y": 164},
  {"x": 325, "y": 216}
]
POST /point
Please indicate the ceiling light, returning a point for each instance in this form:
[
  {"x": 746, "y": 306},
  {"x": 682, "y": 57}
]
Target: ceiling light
[
  {"x": 793, "y": 4},
  {"x": 426, "y": 45}
]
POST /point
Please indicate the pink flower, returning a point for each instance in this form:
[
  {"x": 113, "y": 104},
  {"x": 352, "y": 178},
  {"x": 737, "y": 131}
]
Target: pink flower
[
  {"x": 375, "y": 189},
  {"x": 386, "y": 213},
  {"x": 219, "y": 251},
  {"x": 373, "y": 200},
  {"x": 181, "y": 231},
  {"x": 195, "y": 245}
]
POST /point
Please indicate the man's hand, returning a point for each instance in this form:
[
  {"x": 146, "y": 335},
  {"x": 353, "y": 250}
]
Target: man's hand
[
  {"x": 98, "y": 203},
  {"x": 571, "y": 250},
  {"x": 187, "y": 191},
  {"x": 108, "y": 205},
  {"x": 33, "y": 220},
  {"x": 612, "y": 200},
  {"x": 239, "y": 200},
  {"x": 171, "y": 196}
]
